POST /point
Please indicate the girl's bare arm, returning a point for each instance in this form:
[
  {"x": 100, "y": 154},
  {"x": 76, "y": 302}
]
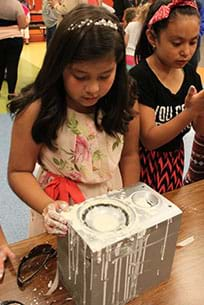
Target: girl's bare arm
[
  {"x": 154, "y": 136},
  {"x": 129, "y": 163},
  {"x": 23, "y": 156}
]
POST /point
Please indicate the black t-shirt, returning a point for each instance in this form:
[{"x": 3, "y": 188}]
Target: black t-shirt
[{"x": 153, "y": 93}]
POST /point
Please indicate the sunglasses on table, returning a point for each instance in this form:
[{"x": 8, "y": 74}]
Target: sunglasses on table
[{"x": 33, "y": 262}]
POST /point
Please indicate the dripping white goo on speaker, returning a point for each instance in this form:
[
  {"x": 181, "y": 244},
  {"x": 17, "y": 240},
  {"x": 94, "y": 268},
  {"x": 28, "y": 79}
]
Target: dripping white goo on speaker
[{"x": 118, "y": 245}]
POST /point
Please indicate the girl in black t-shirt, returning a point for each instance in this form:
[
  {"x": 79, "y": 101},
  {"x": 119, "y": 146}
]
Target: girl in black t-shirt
[{"x": 167, "y": 90}]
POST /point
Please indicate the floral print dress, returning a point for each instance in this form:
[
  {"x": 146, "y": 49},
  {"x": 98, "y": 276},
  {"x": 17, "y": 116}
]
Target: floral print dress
[{"x": 85, "y": 155}]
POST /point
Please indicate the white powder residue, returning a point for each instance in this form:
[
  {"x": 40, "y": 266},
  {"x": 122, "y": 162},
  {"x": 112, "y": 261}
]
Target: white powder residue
[
  {"x": 186, "y": 242},
  {"x": 105, "y": 223}
]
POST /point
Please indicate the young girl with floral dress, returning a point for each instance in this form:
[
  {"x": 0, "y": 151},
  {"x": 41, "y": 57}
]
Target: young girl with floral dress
[{"x": 78, "y": 120}]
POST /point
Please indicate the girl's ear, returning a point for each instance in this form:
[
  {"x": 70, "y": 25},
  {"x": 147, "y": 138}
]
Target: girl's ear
[{"x": 151, "y": 37}]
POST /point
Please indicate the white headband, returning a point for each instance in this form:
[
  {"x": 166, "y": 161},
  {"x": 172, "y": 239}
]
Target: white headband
[{"x": 87, "y": 22}]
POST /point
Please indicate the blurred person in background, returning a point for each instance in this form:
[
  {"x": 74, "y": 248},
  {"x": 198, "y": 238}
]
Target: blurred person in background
[
  {"x": 50, "y": 17},
  {"x": 120, "y": 6},
  {"x": 196, "y": 56},
  {"x": 133, "y": 31},
  {"x": 26, "y": 32},
  {"x": 12, "y": 20},
  {"x": 129, "y": 15},
  {"x": 62, "y": 7}
]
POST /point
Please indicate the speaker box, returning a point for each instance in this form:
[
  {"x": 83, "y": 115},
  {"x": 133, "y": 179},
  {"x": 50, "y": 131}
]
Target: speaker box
[{"x": 118, "y": 245}]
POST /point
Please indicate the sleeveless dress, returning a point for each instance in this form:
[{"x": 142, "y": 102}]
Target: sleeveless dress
[{"x": 84, "y": 155}]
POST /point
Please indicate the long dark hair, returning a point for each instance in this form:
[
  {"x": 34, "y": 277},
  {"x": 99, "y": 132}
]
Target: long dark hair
[
  {"x": 83, "y": 42},
  {"x": 144, "y": 48}
]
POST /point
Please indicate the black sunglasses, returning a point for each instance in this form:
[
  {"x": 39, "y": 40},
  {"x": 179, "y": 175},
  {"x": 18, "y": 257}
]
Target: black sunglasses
[
  {"x": 10, "y": 302},
  {"x": 33, "y": 262}
]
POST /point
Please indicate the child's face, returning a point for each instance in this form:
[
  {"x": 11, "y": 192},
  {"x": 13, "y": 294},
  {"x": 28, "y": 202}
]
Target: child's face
[
  {"x": 177, "y": 43},
  {"x": 87, "y": 81}
]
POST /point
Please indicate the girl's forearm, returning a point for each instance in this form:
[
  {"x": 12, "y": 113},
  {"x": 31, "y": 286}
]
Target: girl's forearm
[
  {"x": 198, "y": 125},
  {"x": 28, "y": 189},
  {"x": 130, "y": 170},
  {"x": 160, "y": 135}
]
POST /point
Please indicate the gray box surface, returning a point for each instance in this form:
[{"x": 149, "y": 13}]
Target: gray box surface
[{"x": 118, "y": 245}]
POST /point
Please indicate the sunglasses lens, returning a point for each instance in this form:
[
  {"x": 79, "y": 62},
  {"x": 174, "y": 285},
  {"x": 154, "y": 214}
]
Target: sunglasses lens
[
  {"x": 32, "y": 265},
  {"x": 11, "y": 302},
  {"x": 33, "y": 262}
]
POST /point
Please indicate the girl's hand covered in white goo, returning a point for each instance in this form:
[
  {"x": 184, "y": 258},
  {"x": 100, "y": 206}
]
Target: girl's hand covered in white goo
[{"x": 54, "y": 222}]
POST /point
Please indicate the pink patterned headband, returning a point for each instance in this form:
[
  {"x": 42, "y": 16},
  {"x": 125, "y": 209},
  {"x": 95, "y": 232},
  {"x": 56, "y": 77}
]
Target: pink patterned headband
[{"x": 164, "y": 10}]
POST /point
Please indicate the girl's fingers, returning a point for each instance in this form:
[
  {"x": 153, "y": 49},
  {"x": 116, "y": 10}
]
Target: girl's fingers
[
  {"x": 5, "y": 253},
  {"x": 191, "y": 91},
  {"x": 9, "y": 253},
  {"x": 56, "y": 216},
  {"x": 55, "y": 231},
  {"x": 2, "y": 260},
  {"x": 54, "y": 221},
  {"x": 1, "y": 270},
  {"x": 50, "y": 222}
]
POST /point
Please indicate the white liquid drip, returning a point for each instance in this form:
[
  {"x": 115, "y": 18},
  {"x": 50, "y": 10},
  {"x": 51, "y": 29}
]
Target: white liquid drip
[
  {"x": 105, "y": 281},
  {"x": 126, "y": 276},
  {"x": 144, "y": 251},
  {"x": 138, "y": 259},
  {"x": 99, "y": 257},
  {"x": 130, "y": 278},
  {"x": 108, "y": 252},
  {"x": 118, "y": 283},
  {"x": 134, "y": 265},
  {"x": 102, "y": 267},
  {"x": 69, "y": 255},
  {"x": 77, "y": 259},
  {"x": 92, "y": 272},
  {"x": 84, "y": 273},
  {"x": 72, "y": 249},
  {"x": 114, "y": 280},
  {"x": 165, "y": 240},
  {"x": 117, "y": 249}
]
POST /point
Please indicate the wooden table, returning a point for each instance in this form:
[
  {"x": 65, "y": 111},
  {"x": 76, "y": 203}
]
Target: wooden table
[{"x": 185, "y": 286}]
